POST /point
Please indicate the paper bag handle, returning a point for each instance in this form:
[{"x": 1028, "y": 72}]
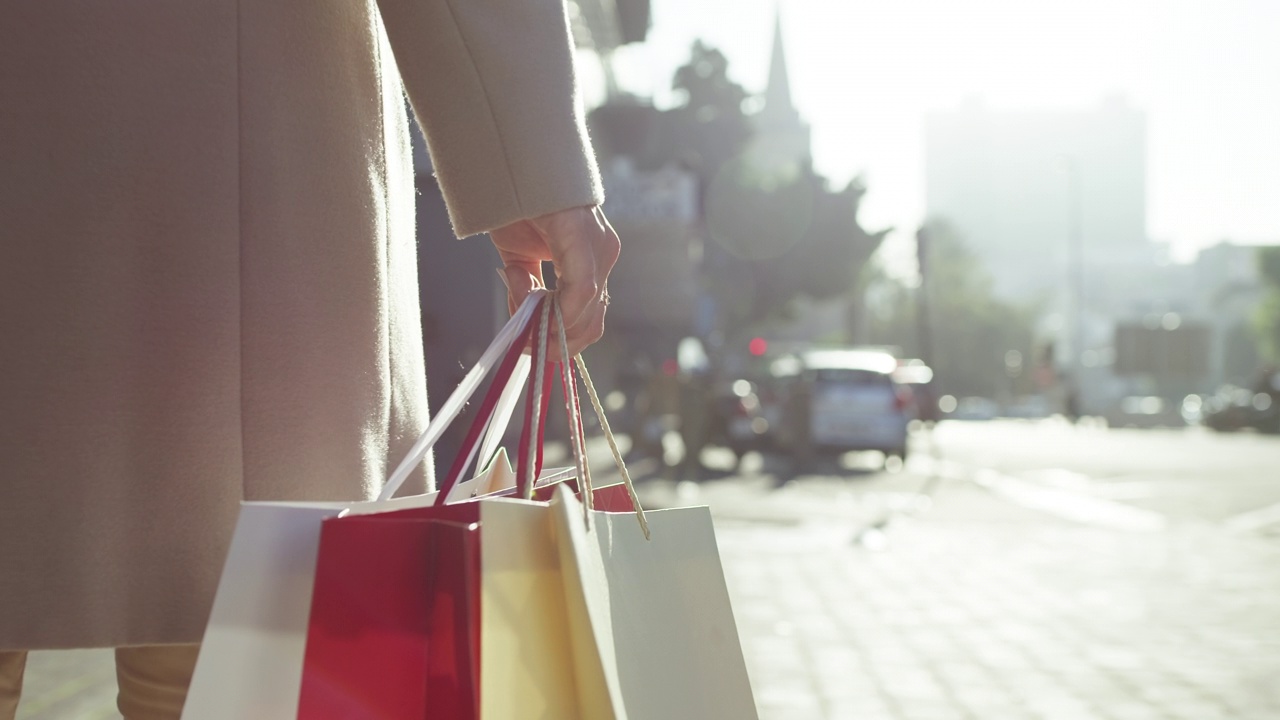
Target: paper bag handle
[
  {"x": 529, "y": 455},
  {"x": 452, "y": 407},
  {"x": 497, "y": 388}
]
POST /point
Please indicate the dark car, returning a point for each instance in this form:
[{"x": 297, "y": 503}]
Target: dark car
[
  {"x": 743, "y": 421},
  {"x": 1235, "y": 409}
]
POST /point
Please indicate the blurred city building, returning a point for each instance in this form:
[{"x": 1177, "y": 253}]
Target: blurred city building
[
  {"x": 1015, "y": 183},
  {"x": 655, "y": 283},
  {"x": 1054, "y": 205},
  {"x": 1226, "y": 288}
]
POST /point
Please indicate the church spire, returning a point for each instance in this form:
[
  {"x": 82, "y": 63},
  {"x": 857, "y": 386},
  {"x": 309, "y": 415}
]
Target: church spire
[
  {"x": 777, "y": 96},
  {"x": 782, "y": 136}
]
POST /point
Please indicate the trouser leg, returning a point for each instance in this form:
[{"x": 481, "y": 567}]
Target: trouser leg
[
  {"x": 12, "y": 666},
  {"x": 153, "y": 680}
]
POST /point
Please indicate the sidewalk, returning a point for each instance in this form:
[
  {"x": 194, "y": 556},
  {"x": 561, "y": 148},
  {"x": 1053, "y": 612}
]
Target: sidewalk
[
  {"x": 968, "y": 619},
  {"x": 857, "y": 599},
  {"x": 861, "y": 599}
]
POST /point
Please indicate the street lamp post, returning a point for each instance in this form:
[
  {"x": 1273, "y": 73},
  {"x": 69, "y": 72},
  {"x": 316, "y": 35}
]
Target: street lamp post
[
  {"x": 923, "y": 329},
  {"x": 1075, "y": 285}
]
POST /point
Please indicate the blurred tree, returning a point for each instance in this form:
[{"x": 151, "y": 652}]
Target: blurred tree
[
  {"x": 1269, "y": 265},
  {"x": 775, "y": 233},
  {"x": 972, "y": 329},
  {"x": 710, "y": 126},
  {"x": 774, "y": 243},
  {"x": 702, "y": 133},
  {"x": 1266, "y": 319},
  {"x": 706, "y": 86}
]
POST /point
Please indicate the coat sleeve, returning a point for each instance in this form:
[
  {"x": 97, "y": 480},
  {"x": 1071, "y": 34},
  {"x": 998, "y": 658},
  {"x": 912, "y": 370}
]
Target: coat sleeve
[{"x": 492, "y": 83}]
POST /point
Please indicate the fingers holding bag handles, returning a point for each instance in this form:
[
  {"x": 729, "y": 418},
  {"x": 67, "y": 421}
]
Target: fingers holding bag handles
[
  {"x": 529, "y": 324},
  {"x": 582, "y": 246}
]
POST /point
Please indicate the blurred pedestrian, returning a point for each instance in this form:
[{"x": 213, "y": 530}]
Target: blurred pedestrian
[
  {"x": 1073, "y": 405},
  {"x": 208, "y": 279},
  {"x": 694, "y": 405},
  {"x": 698, "y": 419},
  {"x": 642, "y": 383},
  {"x": 798, "y": 424}
]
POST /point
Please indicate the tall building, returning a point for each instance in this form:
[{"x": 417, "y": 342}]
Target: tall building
[
  {"x": 1015, "y": 183},
  {"x": 1225, "y": 289}
]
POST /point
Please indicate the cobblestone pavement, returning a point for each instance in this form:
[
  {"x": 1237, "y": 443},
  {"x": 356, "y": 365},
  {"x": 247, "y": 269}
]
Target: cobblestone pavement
[{"x": 857, "y": 597}]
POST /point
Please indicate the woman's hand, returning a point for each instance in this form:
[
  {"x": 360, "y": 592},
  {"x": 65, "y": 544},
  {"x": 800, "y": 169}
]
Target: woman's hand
[{"x": 582, "y": 247}]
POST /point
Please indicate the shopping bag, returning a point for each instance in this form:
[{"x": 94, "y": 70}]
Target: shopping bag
[
  {"x": 458, "y": 610},
  {"x": 439, "y": 613},
  {"x": 499, "y": 609},
  {"x": 651, "y": 618},
  {"x": 250, "y": 663},
  {"x": 404, "y": 602}
]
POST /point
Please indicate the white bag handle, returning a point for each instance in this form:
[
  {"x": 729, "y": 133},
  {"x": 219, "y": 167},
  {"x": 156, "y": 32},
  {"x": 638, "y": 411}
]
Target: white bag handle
[
  {"x": 458, "y": 399},
  {"x": 497, "y": 424}
]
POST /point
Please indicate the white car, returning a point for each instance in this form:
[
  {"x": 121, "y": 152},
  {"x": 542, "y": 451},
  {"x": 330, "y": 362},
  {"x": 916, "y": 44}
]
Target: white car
[{"x": 842, "y": 400}]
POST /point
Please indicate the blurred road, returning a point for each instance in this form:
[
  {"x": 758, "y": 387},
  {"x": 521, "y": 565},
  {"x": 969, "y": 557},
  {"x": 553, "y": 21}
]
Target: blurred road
[
  {"x": 1009, "y": 571},
  {"x": 1181, "y": 475},
  {"x": 1123, "y": 478},
  {"x": 1012, "y": 570}
]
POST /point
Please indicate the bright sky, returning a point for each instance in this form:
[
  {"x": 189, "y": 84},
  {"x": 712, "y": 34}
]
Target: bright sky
[{"x": 864, "y": 74}]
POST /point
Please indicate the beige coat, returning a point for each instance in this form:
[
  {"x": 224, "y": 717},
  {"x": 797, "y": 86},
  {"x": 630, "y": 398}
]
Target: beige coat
[{"x": 208, "y": 283}]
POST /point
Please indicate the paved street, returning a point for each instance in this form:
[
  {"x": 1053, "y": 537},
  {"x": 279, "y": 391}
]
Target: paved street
[
  {"x": 1184, "y": 475},
  {"x": 1010, "y": 570},
  {"x": 1052, "y": 572}
]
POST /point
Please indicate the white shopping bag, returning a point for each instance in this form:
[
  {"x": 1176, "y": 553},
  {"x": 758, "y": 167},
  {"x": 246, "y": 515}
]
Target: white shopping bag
[{"x": 650, "y": 619}]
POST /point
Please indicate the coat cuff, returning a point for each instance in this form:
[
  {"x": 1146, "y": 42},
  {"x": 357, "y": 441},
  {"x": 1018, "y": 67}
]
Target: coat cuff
[{"x": 493, "y": 85}]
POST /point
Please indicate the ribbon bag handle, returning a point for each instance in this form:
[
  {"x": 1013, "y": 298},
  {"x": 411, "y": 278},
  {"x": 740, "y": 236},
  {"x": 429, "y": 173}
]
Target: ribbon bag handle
[
  {"x": 529, "y": 463},
  {"x": 578, "y": 436}
]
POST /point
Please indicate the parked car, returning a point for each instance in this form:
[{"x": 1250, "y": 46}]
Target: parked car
[
  {"x": 745, "y": 423},
  {"x": 835, "y": 401},
  {"x": 1234, "y": 408},
  {"x": 969, "y": 408},
  {"x": 1028, "y": 407},
  {"x": 1145, "y": 411}
]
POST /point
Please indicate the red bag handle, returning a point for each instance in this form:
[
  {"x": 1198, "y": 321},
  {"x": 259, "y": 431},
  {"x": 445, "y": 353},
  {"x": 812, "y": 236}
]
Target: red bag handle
[
  {"x": 527, "y": 442},
  {"x": 500, "y": 379}
]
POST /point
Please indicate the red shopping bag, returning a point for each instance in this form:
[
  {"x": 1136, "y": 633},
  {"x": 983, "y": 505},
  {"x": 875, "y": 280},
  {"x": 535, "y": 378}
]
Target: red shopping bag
[
  {"x": 393, "y": 601},
  {"x": 391, "y": 611}
]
